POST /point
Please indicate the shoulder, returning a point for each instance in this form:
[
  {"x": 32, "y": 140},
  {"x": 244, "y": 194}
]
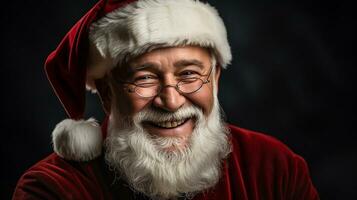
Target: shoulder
[
  {"x": 54, "y": 177},
  {"x": 262, "y": 149},
  {"x": 257, "y": 143},
  {"x": 261, "y": 153},
  {"x": 265, "y": 158},
  {"x": 54, "y": 166}
]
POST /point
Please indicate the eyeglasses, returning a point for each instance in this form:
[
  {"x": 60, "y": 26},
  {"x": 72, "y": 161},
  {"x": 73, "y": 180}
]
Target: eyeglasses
[{"x": 184, "y": 86}]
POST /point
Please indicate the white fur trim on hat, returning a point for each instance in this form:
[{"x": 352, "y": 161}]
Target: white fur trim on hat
[
  {"x": 139, "y": 26},
  {"x": 77, "y": 140}
]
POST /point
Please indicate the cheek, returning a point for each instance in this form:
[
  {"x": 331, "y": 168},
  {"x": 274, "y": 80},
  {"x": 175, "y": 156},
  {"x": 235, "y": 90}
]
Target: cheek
[
  {"x": 203, "y": 99},
  {"x": 129, "y": 105}
]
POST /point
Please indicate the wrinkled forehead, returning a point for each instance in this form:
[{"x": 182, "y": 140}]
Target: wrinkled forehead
[
  {"x": 167, "y": 57},
  {"x": 173, "y": 54}
]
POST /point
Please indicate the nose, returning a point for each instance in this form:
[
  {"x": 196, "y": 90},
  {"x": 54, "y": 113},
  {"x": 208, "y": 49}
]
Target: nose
[{"x": 169, "y": 99}]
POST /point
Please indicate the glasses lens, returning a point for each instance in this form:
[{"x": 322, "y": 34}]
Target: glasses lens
[
  {"x": 147, "y": 90},
  {"x": 190, "y": 85}
]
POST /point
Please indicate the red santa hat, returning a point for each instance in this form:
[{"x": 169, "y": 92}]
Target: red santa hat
[{"x": 111, "y": 31}]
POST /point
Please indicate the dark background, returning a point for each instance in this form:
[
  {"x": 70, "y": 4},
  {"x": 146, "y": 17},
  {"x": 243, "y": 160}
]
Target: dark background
[{"x": 292, "y": 77}]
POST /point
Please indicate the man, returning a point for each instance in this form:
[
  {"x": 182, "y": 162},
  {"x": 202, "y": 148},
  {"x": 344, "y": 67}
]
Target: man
[{"x": 156, "y": 66}]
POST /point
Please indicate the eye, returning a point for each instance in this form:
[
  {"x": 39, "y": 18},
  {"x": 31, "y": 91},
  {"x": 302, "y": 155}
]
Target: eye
[
  {"x": 189, "y": 74},
  {"x": 147, "y": 78}
]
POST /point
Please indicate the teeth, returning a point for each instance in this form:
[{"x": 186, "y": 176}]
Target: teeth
[{"x": 170, "y": 124}]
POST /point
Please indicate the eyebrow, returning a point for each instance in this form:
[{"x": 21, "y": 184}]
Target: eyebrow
[
  {"x": 185, "y": 62},
  {"x": 145, "y": 65},
  {"x": 180, "y": 63}
]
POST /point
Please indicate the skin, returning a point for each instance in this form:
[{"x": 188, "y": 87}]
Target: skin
[{"x": 168, "y": 65}]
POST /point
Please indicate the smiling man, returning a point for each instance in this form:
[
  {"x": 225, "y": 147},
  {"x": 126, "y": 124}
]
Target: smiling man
[
  {"x": 156, "y": 66},
  {"x": 165, "y": 135}
]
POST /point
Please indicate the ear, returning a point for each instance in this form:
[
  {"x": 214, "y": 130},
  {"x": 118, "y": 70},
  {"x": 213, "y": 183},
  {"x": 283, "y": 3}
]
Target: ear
[
  {"x": 217, "y": 75},
  {"x": 104, "y": 93},
  {"x": 97, "y": 66}
]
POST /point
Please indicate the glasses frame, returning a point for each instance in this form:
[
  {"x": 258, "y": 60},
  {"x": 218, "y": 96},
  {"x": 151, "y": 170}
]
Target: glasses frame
[{"x": 176, "y": 86}]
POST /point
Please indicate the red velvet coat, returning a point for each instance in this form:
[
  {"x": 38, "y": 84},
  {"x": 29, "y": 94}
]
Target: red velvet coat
[{"x": 260, "y": 167}]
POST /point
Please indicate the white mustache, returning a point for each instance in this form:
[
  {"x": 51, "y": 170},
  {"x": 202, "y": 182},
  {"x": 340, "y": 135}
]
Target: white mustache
[{"x": 159, "y": 116}]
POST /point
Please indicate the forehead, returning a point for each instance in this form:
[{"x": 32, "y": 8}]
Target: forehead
[{"x": 170, "y": 55}]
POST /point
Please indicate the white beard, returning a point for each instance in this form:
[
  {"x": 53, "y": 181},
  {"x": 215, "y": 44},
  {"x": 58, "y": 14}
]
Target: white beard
[{"x": 146, "y": 164}]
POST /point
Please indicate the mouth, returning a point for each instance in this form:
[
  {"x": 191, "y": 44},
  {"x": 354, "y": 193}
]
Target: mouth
[
  {"x": 175, "y": 126},
  {"x": 168, "y": 124}
]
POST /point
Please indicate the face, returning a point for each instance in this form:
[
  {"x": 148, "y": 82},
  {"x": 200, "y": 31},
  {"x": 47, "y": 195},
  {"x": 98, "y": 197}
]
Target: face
[
  {"x": 156, "y": 143},
  {"x": 168, "y": 66}
]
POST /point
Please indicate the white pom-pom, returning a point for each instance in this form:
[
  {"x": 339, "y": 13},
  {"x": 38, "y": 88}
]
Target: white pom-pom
[{"x": 77, "y": 140}]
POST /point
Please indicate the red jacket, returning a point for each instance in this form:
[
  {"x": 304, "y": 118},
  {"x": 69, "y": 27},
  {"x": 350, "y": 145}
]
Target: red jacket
[{"x": 260, "y": 167}]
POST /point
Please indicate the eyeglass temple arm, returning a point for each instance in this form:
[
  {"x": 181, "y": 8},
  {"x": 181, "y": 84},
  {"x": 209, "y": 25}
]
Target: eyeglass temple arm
[{"x": 208, "y": 75}]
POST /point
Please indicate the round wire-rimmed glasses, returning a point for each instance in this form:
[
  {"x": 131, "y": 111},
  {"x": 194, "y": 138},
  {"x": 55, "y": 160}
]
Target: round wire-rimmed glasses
[{"x": 184, "y": 86}]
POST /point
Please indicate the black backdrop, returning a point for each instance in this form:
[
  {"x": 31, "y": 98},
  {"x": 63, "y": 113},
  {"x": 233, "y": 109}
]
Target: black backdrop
[{"x": 292, "y": 77}]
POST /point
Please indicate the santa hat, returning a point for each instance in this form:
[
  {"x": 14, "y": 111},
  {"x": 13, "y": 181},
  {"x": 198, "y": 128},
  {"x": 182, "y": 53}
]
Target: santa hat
[{"x": 111, "y": 31}]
